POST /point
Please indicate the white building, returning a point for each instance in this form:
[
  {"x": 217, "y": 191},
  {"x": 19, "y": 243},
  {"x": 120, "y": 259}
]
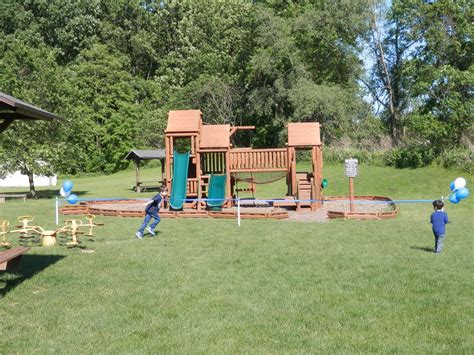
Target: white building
[{"x": 19, "y": 180}]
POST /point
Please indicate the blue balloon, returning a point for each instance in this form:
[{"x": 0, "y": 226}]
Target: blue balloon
[
  {"x": 67, "y": 185},
  {"x": 453, "y": 198},
  {"x": 462, "y": 193},
  {"x": 452, "y": 187},
  {"x": 72, "y": 199}
]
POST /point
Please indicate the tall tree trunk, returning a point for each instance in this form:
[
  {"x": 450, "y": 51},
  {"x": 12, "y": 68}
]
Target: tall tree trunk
[
  {"x": 32, "y": 184},
  {"x": 384, "y": 73}
]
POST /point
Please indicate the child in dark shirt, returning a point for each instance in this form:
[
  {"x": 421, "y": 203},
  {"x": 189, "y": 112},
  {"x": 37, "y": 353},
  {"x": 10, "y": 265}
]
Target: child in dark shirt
[
  {"x": 151, "y": 212},
  {"x": 439, "y": 219}
]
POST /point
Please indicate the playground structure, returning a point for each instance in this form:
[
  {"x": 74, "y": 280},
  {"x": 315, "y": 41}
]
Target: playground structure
[
  {"x": 202, "y": 170},
  {"x": 204, "y": 175},
  {"x": 25, "y": 230},
  {"x": 72, "y": 228}
]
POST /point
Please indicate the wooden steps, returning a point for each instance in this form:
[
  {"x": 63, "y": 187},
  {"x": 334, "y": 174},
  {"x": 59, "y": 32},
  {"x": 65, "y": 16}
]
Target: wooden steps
[{"x": 304, "y": 192}]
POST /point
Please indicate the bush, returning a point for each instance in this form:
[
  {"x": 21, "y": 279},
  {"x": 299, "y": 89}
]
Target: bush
[
  {"x": 460, "y": 158},
  {"x": 338, "y": 155},
  {"x": 409, "y": 157}
]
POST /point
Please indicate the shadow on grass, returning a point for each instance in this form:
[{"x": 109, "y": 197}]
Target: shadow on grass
[
  {"x": 42, "y": 194},
  {"x": 429, "y": 250},
  {"x": 32, "y": 264}
]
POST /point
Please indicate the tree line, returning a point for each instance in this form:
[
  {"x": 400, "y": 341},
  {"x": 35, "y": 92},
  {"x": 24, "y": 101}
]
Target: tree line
[{"x": 371, "y": 72}]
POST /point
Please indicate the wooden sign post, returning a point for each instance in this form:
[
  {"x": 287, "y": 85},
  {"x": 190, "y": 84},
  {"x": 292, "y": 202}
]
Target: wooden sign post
[{"x": 351, "y": 172}]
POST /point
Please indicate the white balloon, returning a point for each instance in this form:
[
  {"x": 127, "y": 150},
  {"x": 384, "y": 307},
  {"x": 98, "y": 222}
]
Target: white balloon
[
  {"x": 459, "y": 183},
  {"x": 64, "y": 193}
]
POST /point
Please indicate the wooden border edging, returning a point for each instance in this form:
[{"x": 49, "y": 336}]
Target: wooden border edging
[
  {"x": 103, "y": 208},
  {"x": 86, "y": 208},
  {"x": 363, "y": 215}
]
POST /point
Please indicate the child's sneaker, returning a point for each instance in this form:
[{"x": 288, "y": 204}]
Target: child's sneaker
[
  {"x": 139, "y": 235},
  {"x": 151, "y": 231}
]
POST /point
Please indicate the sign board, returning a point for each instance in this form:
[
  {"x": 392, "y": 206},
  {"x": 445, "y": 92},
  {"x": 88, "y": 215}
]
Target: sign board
[{"x": 351, "y": 167}]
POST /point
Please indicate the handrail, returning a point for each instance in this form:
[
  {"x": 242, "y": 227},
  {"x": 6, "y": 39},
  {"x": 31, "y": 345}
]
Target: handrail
[
  {"x": 238, "y": 150},
  {"x": 244, "y": 160}
]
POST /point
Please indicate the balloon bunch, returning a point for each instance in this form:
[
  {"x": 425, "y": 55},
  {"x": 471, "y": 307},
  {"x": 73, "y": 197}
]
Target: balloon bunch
[
  {"x": 66, "y": 192},
  {"x": 459, "y": 190}
]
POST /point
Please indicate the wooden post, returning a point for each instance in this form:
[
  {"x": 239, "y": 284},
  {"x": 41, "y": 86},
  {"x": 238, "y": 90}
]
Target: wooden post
[
  {"x": 293, "y": 171},
  {"x": 195, "y": 141},
  {"x": 228, "y": 194},
  {"x": 316, "y": 179},
  {"x": 351, "y": 194},
  {"x": 351, "y": 173},
  {"x": 162, "y": 171},
  {"x": 168, "y": 162},
  {"x": 137, "y": 175},
  {"x": 288, "y": 173},
  {"x": 319, "y": 153}
]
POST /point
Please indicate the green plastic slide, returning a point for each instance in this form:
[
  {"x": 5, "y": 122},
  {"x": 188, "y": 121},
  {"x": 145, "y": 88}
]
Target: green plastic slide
[
  {"x": 216, "y": 192},
  {"x": 180, "y": 177}
]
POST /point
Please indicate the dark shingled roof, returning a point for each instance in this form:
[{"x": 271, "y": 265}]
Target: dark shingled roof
[
  {"x": 146, "y": 154},
  {"x": 12, "y": 109}
]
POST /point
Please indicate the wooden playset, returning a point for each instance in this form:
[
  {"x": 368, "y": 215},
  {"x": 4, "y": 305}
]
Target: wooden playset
[
  {"x": 209, "y": 167},
  {"x": 204, "y": 173}
]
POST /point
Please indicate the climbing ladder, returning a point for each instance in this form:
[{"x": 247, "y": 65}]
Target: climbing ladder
[{"x": 304, "y": 190}]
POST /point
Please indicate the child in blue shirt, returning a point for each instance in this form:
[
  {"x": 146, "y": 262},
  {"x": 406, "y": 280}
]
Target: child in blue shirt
[
  {"x": 439, "y": 219},
  {"x": 151, "y": 212}
]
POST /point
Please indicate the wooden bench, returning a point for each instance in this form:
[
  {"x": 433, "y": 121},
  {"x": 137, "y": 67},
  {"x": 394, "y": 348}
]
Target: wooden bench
[
  {"x": 3, "y": 197},
  {"x": 10, "y": 260},
  {"x": 142, "y": 186}
]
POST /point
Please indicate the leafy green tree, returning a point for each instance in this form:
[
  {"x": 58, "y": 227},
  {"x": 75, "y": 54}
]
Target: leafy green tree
[
  {"x": 68, "y": 26},
  {"x": 304, "y": 56},
  {"x": 134, "y": 29},
  {"x": 202, "y": 37},
  {"x": 33, "y": 148},
  {"x": 388, "y": 49},
  {"x": 32, "y": 75},
  {"x": 441, "y": 73},
  {"x": 423, "y": 70},
  {"x": 200, "y": 51},
  {"x": 218, "y": 97},
  {"x": 103, "y": 103},
  {"x": 114, "y": 69}
]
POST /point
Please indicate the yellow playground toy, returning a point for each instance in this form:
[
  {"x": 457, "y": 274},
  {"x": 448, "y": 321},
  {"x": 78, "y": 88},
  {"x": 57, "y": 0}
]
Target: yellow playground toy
[{"x": 71, "y": 228}]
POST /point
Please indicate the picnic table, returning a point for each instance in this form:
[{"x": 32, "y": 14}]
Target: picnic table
[
  {"x": 142, "y": 186},
  {"x": 149, "y": 154}
]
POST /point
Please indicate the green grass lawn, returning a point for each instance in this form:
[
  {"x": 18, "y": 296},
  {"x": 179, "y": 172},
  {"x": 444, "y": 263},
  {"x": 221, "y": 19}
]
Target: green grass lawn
[{"x": 269, "y": 286}]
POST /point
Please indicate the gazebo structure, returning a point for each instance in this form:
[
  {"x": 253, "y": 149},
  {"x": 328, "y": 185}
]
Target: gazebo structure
[
  {"x": 148, "y": 154},
  {"x": 12, "y": 109}
]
